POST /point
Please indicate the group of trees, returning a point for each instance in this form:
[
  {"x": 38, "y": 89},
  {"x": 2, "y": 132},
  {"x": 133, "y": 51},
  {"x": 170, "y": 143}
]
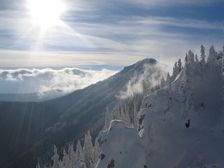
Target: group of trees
[
  {"x": 126, "y": 110},
  {"x": 212, "y": 57},
  {"x": 83, "y": 156}
]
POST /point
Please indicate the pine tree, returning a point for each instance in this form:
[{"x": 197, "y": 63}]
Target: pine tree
[
  {"x": 55, "y": 158},
  {"x": 196, "y": 58},
  {"x": 175, "y": 71},
  {"x": 88, "y": 150},
  {"x": 96, "y": 152},
  {"x": 66, "y": 161},
  {"x": 190, "y": 56},
  {"x": 179, "y": 65},
  {"x": 202, "y": 54},
  {"x": 212, "y": 55},
  {"x": 79, "y": 163},
  {"x": 71, "y": 154}
]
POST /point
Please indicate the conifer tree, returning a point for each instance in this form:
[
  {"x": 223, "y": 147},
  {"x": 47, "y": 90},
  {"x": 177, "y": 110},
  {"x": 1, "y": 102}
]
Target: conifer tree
[
  {"x": 88, "y": 150},
  {"x": 202, "y": 54},
  {"x": 55, "y": 158},
  {"x": 212, "y": 55}
]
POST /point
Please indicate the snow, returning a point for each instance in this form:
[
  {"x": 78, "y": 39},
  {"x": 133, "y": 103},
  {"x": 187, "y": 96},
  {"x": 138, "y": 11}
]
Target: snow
[
  {"x": 196, "y": 96},
  {"x": 179, "y": 125},
  {"x": 117, "y": 149}
]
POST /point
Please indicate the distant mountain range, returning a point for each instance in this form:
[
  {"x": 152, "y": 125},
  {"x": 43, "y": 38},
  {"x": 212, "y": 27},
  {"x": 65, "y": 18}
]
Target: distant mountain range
[{"x": 29, "y": 128}]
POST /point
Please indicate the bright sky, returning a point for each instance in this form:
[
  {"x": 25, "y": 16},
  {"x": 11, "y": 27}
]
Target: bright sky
[{"x": 83, "y": 32}]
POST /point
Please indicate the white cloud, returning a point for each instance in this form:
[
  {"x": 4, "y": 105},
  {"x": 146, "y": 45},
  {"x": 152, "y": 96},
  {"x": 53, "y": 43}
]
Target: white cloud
[
  {"x": 49, "y": 81},
  {"x": 152, "y": 77},
  {"x": 123, "y": 41},
  {"x": 151, "y": 3}
]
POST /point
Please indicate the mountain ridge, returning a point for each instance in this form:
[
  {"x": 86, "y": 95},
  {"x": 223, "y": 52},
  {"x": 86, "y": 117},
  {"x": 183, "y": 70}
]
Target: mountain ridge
[{"x": 61, "y": 116}]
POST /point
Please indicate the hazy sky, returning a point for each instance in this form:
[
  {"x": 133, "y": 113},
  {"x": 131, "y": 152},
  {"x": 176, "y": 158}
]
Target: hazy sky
[{"x": 107, "y": 31}]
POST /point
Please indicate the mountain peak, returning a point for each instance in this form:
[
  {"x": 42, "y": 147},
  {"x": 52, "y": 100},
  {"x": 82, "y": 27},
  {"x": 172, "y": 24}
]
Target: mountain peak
[{"x": 140, "y": 64}]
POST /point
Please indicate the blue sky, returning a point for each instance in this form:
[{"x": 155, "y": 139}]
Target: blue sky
[{"x": 110, "y": 32}]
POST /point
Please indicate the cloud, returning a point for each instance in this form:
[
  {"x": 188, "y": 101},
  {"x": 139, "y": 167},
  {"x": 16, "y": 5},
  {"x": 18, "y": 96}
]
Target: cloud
[
  {"x": 152, "y": 3},
  {"x": 121, "y": 41},
  {"x": 85, "y": 5},
  {"x": 49, "y": 81},
  {"x": 94, "y": 33},
  {"x": 151, "y": 77}
]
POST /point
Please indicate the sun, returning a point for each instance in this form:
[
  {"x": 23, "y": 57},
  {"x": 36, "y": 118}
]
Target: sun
[{"x": 45, "y": 14}]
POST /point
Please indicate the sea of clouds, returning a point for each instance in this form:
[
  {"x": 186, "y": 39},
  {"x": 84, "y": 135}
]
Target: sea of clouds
[{"x": 49, "y": 81}]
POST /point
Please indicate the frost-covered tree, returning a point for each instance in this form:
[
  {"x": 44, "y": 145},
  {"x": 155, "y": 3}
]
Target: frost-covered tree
[
  {"x": 175, "y": 70},
  {"x": 80, "y": 159},
  {"x": 71, "y": 155},
  {"x": 179, "y": 64},
  {"x": 88, "y": 150},
  {"x": 190, "y": 56},
  {"x": 202, "y": 54},
  {"x": 96, "y": 152},
  {"x": 55, "y": 158},
  {"x": 196, "y": 58},
  {"x": 168, "y": 79},
  {"x": 212, "y": 55},
  {"x": 66, "y": 162}
]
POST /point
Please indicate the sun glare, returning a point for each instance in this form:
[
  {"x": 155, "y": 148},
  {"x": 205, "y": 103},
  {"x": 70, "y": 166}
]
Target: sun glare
[{"x": 46, "y": 13}]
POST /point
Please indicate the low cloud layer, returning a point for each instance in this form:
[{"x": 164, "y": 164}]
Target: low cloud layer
[{"x": 47, "y": 82}]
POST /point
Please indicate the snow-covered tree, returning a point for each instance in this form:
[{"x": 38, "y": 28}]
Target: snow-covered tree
[
  {"x": 202, "y": 54},
  {"x": 66, "y": 162},
  {"x": 96, "y": 152},
  {"x": 55, "y": 158},
  {"x": 80, "y": 159},
  {"x": 71, "y": 155},
  {"x": 88, "y": 150},
  {"x": 163, "y": 82},
  {"x": 212, "y": 55},
  {"x": 179, "y": 65},
  {"x": 190, "y": 56},
  {"x": 196, "y": 58},
  {"x": 175, "y": 70}
]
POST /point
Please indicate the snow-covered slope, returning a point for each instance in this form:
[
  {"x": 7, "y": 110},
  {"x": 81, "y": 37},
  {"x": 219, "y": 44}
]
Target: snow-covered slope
[
  {"x": 180, "y": 125},
  {"x": 118, "y": 151}
]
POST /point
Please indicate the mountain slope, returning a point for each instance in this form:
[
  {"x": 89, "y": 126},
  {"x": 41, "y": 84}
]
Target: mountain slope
[
  {"x": 29, "y": 128},
  {"x": 181, "y": 124}
]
